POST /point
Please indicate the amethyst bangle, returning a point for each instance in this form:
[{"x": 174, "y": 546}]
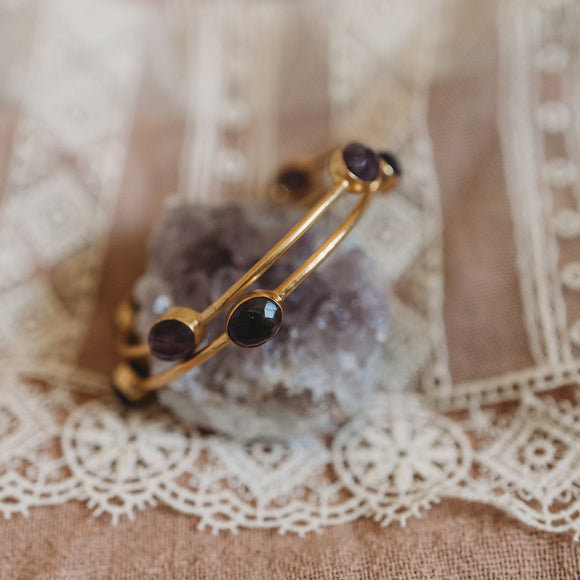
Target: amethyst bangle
[{"x": 255, "y": 317}]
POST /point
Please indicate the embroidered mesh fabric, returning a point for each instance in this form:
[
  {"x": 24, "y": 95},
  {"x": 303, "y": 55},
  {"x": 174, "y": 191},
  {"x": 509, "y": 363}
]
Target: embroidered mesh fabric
[{"x": 479, "y": 398}]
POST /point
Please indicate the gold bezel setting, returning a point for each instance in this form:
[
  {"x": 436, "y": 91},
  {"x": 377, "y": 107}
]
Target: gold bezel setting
[{"x": 339, "y": 172}]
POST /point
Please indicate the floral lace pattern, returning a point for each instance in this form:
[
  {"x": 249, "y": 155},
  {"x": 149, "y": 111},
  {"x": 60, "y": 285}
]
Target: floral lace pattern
[{"x": 64, "y": 437}]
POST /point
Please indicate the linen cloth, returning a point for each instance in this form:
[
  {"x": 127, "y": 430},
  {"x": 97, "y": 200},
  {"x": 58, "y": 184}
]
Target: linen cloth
[{"x": 101, "y": 123}]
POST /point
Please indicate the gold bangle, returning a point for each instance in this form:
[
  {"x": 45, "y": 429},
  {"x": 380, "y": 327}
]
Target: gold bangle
[{"x": 255, "y": 317}]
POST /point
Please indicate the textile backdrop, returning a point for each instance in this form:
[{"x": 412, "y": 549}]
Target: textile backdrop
[{"x": 472, "y": 442}]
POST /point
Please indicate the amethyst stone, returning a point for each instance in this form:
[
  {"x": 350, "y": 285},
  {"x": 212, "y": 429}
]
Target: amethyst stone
[
  {"x": 327, "y": 356},
  {"x": 254, "y": 321},
  {"x": 294, "y": 179},
  {"x": 171, "y": 340},
  {"x": 361, "y": 161},
  {"x": 392, "y": 161}
]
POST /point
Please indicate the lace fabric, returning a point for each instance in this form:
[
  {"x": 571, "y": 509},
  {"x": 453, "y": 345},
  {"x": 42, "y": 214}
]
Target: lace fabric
[{"x": 479, "y": 395}]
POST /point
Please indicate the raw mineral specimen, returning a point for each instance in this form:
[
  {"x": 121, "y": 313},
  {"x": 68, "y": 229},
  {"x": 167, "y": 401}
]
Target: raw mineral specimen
[{"x": 322, "y": 364}]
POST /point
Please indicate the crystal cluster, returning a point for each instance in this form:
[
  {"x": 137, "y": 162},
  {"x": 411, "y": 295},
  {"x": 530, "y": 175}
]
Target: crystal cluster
[{"x": 324, "y": 361}]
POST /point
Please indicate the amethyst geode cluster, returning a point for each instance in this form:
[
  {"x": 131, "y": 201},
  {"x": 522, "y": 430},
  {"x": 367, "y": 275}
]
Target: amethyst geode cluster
[{"x": 323, "y": 363}]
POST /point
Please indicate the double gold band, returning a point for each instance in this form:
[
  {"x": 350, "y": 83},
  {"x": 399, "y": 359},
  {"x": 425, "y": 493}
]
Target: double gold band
[{"x": 354, "y": 168}]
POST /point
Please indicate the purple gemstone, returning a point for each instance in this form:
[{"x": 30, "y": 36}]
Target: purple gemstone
[
  {"x": 392, "y": 161},
  {"x": 254, "y": 322},
  {"x": 171, "y": 340},
  {"x": 294, "y": 179},
  {"x": 361, "y": 161}
]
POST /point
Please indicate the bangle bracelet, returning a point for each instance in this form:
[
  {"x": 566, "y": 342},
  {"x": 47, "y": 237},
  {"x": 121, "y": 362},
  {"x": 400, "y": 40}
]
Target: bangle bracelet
[{"x": 256, "y": 316}]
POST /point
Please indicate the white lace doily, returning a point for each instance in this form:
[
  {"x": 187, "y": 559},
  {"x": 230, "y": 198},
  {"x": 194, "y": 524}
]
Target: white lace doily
[{"x": 75, "y": 80}]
